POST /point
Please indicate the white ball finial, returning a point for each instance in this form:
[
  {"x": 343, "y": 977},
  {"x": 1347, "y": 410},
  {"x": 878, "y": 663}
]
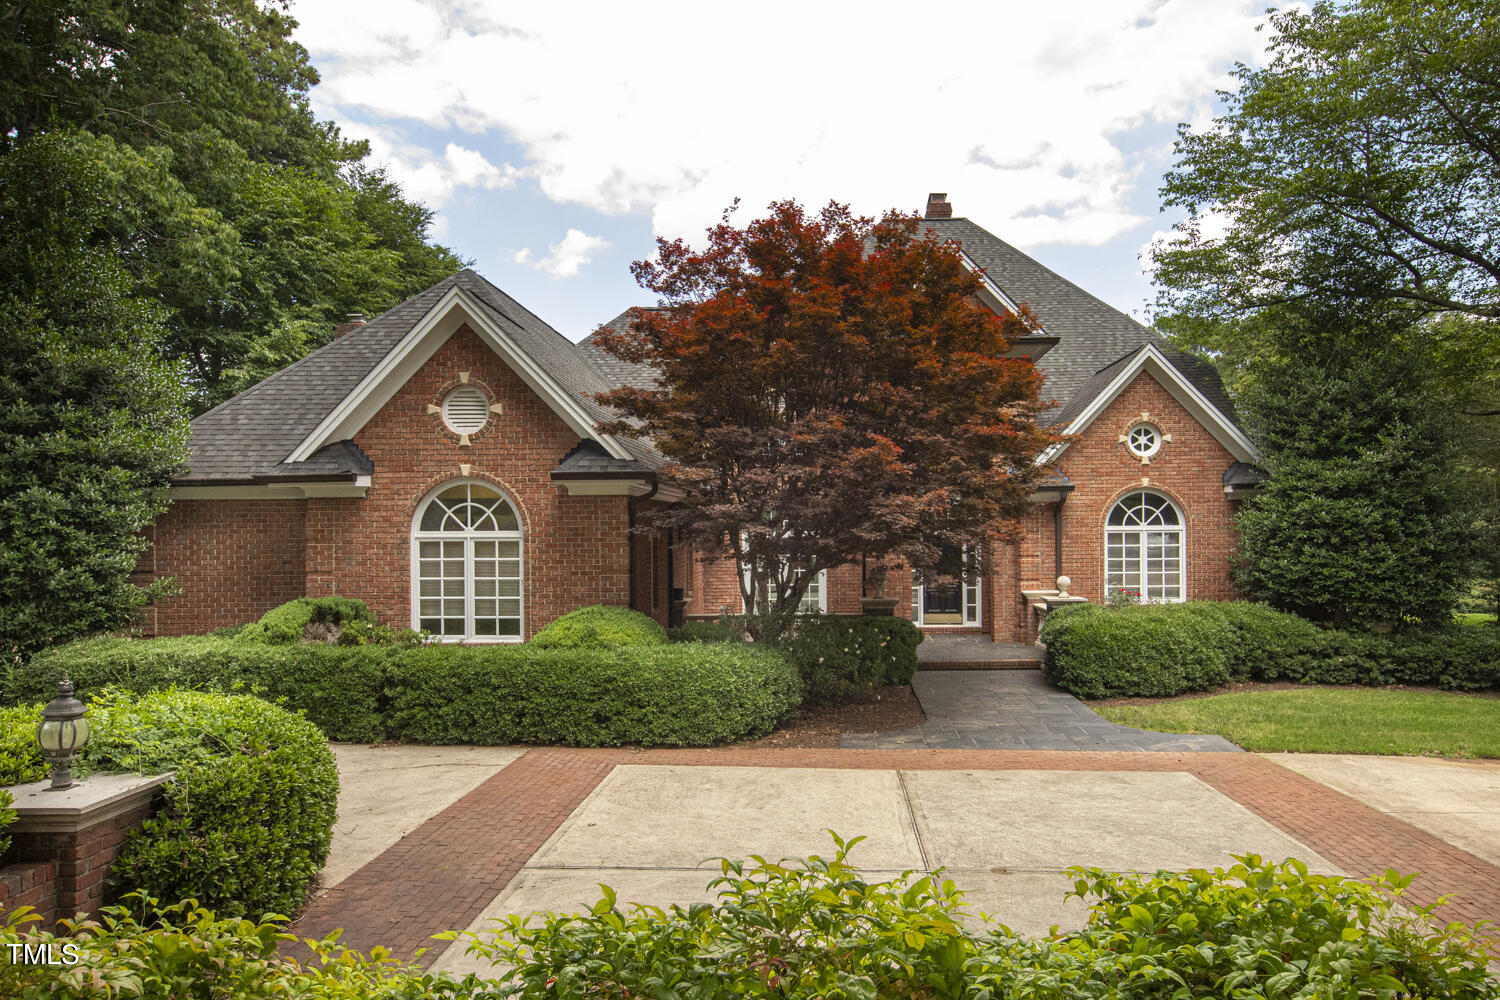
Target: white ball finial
[{"x": 1063, "y": 583}]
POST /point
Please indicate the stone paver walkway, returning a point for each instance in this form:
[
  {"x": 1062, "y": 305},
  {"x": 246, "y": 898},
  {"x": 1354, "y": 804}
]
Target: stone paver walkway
[
  {"x": 1016, "y": 710},
  {"x": 446, "y": 872}
]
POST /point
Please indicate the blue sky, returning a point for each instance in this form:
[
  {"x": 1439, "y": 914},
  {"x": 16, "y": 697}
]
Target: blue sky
[{"x": 555, "y": 142}]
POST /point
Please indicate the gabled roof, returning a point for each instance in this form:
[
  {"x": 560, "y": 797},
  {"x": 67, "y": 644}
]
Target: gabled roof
[
  {"x": 1101, "y": 389},
  {"x": 278, "y": 427},
  {"x": 1091, "y": 334}
]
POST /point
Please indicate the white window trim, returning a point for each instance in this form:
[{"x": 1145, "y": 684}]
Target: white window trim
[
  {"x": 418, "y": 536},
  {"x": 1180, "y": 529},
  {"x": 822, "y": 581},
  {"x": 1156, "y": 439}
]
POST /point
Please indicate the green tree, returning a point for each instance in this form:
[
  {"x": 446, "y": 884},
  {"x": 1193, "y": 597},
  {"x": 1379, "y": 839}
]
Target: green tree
[
  {"x": 1360, "y": 522},
  {"x": 92, "y": 416},
  {"x": 290, "y": 226},
  {"x": 1360, "y": 164}
]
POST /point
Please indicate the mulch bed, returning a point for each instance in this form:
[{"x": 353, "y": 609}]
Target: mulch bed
[{"x": 893, "y": 707}]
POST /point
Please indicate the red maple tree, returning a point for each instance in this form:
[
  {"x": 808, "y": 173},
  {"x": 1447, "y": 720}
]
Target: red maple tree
[{"x": 830, "y": 389}]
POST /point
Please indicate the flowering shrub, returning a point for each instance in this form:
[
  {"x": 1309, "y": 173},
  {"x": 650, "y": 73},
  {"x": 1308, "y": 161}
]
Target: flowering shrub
[{"x": 841, "y": 657}]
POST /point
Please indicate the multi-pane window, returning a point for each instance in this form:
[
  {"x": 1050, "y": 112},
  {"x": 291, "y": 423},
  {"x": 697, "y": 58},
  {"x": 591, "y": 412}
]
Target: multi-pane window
[
  {"x": 467, "y": 545},
  {"x": 814, "y": 600},
  {"x": 1143, "y": 548}
]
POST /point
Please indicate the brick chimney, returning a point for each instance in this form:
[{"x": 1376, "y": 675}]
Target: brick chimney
[
  {"x": 353, "y": 322},
  {"x": 938, "y": 206}
]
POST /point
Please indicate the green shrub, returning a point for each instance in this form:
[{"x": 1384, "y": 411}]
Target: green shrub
[
  {"x": 1148, "y": 650},
  {"x": 601, "y": 627},
  {"x": 822, "y": 928},
  {"x": 353, "y": 693},
  {"x": 247, "y": 817},
  {"x": 1162, "y": 650},
  {"x": 339, "y": 688},
  {"x": 671, "y": 695},
  {"x": 698, "y": 631},
  {"x": 840, "y": 657},
  {"x": 288, "y": 622},
  {"x": 189, "y": 951},
  {"x": 248, "y": 814}
]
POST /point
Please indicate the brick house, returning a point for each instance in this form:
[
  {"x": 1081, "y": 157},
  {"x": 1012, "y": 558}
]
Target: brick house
[{"x": 441, "y": 463}]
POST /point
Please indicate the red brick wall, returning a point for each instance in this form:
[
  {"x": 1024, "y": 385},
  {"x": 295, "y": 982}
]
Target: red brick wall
[
  {"x": 62, "y": 874},
  {"x": 234, "y": 560},
  {"x": 1189, "y": 469},
  {"x": 576, "y": 548}
]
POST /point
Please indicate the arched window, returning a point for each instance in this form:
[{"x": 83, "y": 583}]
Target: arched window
[
  {"x": 466, "y": 551},
  {"x": 1143, "y": 548}
]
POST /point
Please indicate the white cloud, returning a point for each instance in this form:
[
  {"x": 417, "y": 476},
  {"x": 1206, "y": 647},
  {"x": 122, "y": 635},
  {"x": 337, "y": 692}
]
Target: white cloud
[
  {"x": 1016, "y": 110},
  {"x": 567, "y": 255},
  {"x": 429, "y": 177},
  {"x": 522, "y": 256}
]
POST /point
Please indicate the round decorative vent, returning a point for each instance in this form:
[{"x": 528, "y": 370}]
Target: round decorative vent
[
  {"x": 466, "y": 409},
  {"x": 1144, "y": 440}
]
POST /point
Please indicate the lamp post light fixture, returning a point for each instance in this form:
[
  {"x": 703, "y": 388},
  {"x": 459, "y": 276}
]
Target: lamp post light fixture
[{"x": 62, "y": 732}]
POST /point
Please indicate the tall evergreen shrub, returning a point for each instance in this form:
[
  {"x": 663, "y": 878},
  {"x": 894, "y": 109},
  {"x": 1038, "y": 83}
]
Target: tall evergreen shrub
[{"x": 1358, "y": 523}]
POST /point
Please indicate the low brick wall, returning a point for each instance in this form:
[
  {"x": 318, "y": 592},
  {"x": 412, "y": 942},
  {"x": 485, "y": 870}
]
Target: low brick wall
[{"x": 63, "y": 844}]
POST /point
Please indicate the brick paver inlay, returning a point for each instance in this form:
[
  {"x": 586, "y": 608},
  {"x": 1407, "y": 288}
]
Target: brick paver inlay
[{"x": 443, "y": 874}]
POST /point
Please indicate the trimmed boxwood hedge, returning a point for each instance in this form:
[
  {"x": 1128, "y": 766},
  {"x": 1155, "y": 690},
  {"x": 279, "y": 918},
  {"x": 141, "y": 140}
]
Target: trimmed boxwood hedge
[
  {"x": 340, "y": 688},
  {"x": 1161, "y": 650},
  {"x": 248, "y": 814},
  {"x": 600, "y": 626},
  {"x": 684, "y": 694},
  {"x": 675, "y": 695},
  {"x": 840, "y": 657}
]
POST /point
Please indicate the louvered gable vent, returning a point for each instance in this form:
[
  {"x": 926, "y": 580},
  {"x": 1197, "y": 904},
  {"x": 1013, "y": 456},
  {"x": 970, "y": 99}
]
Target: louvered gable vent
[{"x": 465, "y": 409}]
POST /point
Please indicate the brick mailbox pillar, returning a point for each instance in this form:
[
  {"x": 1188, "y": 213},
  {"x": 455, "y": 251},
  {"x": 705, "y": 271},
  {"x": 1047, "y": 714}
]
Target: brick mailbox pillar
[{"x": 63, "y": 843}]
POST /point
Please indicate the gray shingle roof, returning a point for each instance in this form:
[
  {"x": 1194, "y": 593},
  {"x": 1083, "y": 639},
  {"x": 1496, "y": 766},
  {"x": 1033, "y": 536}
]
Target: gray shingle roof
[
  {"x": 589, "y": 458},
  {"x": 1093, "y": 333},
  {"x": 1093, "y": 336},
  {"x": 248, "y": 437},
  {"x": 615, "y": 370}
]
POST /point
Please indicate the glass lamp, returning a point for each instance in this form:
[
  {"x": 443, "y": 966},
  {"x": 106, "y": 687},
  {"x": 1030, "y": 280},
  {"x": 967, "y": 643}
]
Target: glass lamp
[{"x": 62, "y": 733}]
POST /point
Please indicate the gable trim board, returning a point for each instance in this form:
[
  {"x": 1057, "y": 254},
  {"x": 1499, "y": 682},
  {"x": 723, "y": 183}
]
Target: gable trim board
[
  {"x": 1149, "y": 359},
  {"x": 356, "y": 487},
  {"x": 417, "y": 347}
]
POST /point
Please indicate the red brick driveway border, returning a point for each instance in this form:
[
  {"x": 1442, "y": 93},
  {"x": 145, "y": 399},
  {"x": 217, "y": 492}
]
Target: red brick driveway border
[{"x": 443, "y": 874}]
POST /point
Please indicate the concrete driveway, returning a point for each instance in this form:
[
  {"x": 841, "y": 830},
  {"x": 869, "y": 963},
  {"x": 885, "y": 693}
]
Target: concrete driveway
[
  {"x": 1004, "y": 837},
  {"x": 1455, "y": 800},
  {"x": 439, "y": 838}
]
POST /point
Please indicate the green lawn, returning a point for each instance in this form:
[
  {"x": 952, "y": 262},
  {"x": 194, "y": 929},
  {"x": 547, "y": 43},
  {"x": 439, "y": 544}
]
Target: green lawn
[
  {"x": 1331, "y": 720},
  {"x": 1473, "y": 618}
]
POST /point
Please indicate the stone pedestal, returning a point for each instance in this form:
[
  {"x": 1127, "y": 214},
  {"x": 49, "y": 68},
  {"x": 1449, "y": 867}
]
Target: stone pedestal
[
  {"x": 878, "y": 605},
  {"x": 63, "y": 843}
]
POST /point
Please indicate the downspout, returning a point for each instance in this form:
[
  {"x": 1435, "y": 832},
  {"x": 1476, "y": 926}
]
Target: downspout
[{"x": 1057, "y": 536}]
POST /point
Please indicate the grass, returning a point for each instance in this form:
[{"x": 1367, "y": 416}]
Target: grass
[
  {"x": 1330, "y": 720},
  {"x": 1473, "y": 618}
]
